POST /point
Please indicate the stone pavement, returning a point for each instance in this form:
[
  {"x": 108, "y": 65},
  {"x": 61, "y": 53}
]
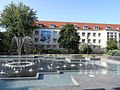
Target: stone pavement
[
  {"x": 96, "y": 81},
  {"x": 57, "y": 88},
  {"x": 86, "y": 82}
]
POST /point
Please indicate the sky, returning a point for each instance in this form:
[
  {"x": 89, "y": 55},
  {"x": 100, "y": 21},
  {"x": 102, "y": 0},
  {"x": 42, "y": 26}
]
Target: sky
[{"x": 87, "y": 11}]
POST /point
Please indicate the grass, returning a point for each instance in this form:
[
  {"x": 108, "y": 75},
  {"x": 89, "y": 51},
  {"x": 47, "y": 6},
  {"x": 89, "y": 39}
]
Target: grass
[{"x": 74, "y": 54}]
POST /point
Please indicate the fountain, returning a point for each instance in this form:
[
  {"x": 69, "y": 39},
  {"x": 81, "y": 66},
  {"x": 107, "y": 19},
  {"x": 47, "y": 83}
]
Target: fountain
[
  {"x": 31, "y": 70},
  {"x": 72, "y": 65},
  {"x": 20, "y": 41},
  {"x": 2, "y": 72}
]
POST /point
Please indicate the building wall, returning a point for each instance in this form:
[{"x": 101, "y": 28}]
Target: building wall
[
  {"x": 53, "y": 40},
  {"x": 48, "y": 37}
]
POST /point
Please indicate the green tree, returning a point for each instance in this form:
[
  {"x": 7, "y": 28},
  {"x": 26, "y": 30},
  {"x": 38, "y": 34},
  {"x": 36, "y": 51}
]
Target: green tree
[
  {"x": 18, "y": 19},
  {"x": 4, "y": 42},
  {"x": 111, "y": 44},
  {"x": 85, "y": 49},
  {"x": 69, "y": 39}
]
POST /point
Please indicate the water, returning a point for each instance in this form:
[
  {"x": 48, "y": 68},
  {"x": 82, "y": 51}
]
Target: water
[{"x": 59, "y": 79}]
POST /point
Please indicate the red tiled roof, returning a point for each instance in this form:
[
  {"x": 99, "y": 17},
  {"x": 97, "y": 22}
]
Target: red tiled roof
[{"x": 80, "y": 25}]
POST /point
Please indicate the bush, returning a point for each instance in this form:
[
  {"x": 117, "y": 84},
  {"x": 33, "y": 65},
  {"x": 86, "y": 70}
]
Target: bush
[
  {"x": 50, "y": 51},
  {"x": 111, "y": 52},
  {"x": 85, "y": 49}
]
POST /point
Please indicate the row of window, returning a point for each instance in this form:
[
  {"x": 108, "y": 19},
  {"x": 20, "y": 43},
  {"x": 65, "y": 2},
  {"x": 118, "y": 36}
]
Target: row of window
[
  {"x": 111, "y": 35},
  {"x": 83, "y": 40},
  {"x": 37, "y": 32},
  {"x": 76, "y": 27},
  {"x": 89, "y": 41},
  {"x": 54, "y": 40},
  {"x": 89, "y": 34}
]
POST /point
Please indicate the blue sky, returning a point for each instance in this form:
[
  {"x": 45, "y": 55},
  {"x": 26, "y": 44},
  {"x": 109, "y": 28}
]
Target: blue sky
[{"x": 89, "y": 11}]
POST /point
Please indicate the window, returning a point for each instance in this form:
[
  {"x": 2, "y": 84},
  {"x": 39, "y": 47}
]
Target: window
[
  {"x": 54, "y": 32},
  {"x": 36, "y": 39},
  {"x": 83, "y": 40},
  {"x": 54, "y": 40},
  {"x": 94, "y": 47},
  {"x": 76, "y": 26},
  {"x": 94, "y": 40},
  {"x": 96, "y": 27},
  {"x": 52, "y": 25},
  {"x": 94, "y": 34},
  {"x": 48, "y": 46},
  {"x": 40, "y": 25},
  {"x": 99, "y": 41},
  {"x": 62, "y": 26},
  {"x": 118, "y": 28},
  {"x": 88, "y": 34},
  {"x": 99, "y": 34},
  {"x": 89, "y": 40},
  {"x": 36, "y": 32},
  {"x": 36, "y": 46},
  {"x": 108, "y": 28},
  {"x": 111, "y": 33},
  {"x": 85, "y": 27},
  {"x": 83, "y": 33}
]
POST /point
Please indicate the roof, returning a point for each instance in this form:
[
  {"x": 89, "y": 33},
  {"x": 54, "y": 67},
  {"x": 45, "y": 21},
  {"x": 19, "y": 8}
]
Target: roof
[{"x": 80, "y": 25}]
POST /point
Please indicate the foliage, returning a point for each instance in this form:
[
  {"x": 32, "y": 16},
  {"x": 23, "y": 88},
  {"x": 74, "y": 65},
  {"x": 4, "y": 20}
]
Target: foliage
[
  {"x": 114, "y": 52},
  {"x": 69, "y": 39},
  {"x": 50, "y": 51},
  {"x": 36, "y": 50},
  {"x": 85, "y": 49},
  {"x": 27, "y": 46},
  {"x": 54, "y": 52},
  {"x": 111, "y": 44},
  {"x": 4, "y": 42},
  {"x": 18, "y": 19}
]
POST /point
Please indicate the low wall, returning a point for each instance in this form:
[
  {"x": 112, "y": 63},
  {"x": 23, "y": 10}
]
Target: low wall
[{"x": 114, "y": 58}]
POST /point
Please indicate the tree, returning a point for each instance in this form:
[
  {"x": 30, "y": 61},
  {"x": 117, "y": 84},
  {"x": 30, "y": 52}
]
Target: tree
[
  {"x": 18, "y": 21},
  {"x": 69, "y": 39},
  {"x": 4, "y": 42},
  {"x": 111, "y": 44},
  {"x": 85, "y": 49}
]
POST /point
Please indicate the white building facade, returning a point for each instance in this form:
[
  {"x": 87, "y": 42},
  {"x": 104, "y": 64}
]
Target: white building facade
[{"x": 92, "y": 34}]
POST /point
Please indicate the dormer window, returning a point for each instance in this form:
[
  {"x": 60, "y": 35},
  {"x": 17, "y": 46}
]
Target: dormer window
[
  {"x": 118, "y": 28},
  {"x": 85, "y": 27},
  {"x": 52, "y": 25},
  {"x": 76, "y": 26},
  {"x": 96, "y": 27},
  {"x": 108, "y": 28},
  {"x": 40, "y": 25},
  {"x": 62, "y": 26}
]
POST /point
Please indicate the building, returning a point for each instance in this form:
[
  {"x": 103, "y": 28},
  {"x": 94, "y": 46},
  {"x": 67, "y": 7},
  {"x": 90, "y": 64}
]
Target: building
[{"x": 93, "y": 34}]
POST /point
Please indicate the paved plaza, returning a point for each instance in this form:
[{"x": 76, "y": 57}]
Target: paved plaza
[{"x": 88, "y": 82}]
